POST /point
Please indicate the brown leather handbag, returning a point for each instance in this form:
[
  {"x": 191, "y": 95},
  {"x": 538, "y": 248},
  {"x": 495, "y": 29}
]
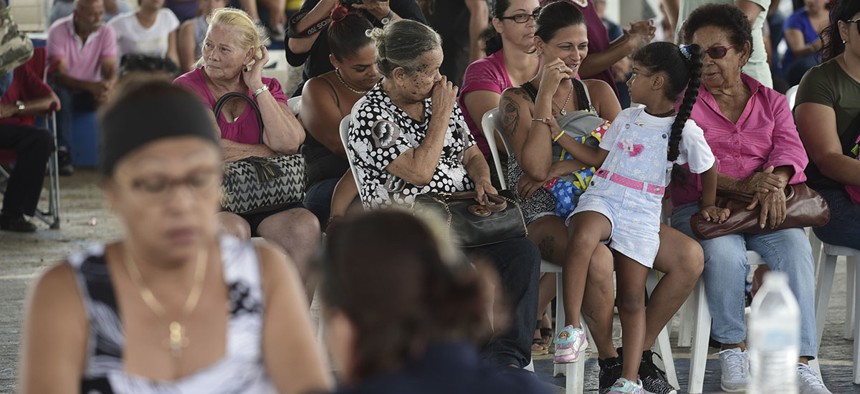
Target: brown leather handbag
[
  {"x": 472, "y": 224},
  {"x": 804, "y": 208}
]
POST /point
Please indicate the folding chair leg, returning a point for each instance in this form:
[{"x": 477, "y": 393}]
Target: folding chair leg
[{"x": 702, "y": 330}]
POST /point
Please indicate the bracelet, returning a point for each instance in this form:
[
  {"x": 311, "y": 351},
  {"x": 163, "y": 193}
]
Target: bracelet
[
  {"x": 313, "y": 29},
  {"x": 264, "y": 88},
  {"x": 542, "y": 120},
  {"x": 558, "y": 136}
]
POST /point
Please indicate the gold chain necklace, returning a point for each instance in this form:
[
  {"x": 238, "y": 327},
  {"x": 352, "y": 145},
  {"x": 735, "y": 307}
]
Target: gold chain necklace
[
  {"x": 176, "y": 339},
  {"x": 348, "y": 86},
  {"x": 563, "y": 111}
]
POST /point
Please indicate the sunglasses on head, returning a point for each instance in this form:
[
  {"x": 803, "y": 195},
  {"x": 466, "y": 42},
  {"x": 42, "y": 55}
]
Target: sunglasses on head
[
  {"x": 522, "y": 17},
  {"x": 719, "y": 51}
]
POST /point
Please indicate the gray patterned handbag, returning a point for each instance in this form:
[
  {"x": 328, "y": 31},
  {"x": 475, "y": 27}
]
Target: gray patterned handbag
[
  {"x": 15, "y": 47},
  {"x": 260, "y": 184}
]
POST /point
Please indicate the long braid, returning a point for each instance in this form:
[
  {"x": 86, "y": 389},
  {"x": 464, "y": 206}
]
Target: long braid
[{"x": 695, "y": 63}]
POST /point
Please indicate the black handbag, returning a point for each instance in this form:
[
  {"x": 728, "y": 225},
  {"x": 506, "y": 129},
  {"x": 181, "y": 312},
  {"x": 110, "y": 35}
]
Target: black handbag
[
  {"x": 472, "y": 224},
  {"x": 260, "y": 184}
]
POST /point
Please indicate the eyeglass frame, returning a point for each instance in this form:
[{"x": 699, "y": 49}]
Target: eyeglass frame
[
  {"x": 165, "y": 188},
  {"x": 534, "y": 15},
  {"x": 724, "y": 47},
  {"x": 854, "y": 21}
]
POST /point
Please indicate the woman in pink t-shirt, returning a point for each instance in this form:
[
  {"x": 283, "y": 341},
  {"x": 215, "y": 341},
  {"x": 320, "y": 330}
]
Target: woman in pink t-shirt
[
  {"x": 511, "y": 62},
  {"x": 233, "y": 60}
]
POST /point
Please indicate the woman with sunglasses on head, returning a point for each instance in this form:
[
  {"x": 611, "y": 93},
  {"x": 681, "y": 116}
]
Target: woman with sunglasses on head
[
  {"x": 510, "y": 61},
  {"x": 173, "y": 306},
  {"x": 752, "y": 134},
  {"x": 551, "y": 98},
  {"x": 828, "y": 106}
]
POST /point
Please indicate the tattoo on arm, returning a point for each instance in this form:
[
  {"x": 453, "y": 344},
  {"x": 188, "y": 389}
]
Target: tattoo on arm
[
  {"x": 547, "y": 248},
  {"x": 510, "y": 116}
]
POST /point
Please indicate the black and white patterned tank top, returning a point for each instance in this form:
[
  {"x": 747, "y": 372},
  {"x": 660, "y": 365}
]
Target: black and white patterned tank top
[{"x": 241, "y": 370}]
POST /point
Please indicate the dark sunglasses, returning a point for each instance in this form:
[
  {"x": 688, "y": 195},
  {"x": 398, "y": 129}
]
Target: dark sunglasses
[
  {"x": 718, "y": 52},
  {"x": 855, "y": 21},
  {"x": 522, "y": 17}
]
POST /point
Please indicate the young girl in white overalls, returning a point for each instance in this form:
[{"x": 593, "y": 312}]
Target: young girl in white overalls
[{"x": 622, "y": 205}]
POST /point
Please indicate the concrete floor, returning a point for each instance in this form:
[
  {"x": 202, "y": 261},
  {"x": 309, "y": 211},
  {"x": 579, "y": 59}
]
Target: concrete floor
[{"x": 22, "y": 257}]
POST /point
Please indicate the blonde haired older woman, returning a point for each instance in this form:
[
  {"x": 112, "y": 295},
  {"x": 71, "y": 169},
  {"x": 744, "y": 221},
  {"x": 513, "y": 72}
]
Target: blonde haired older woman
[
  {"x": 233, "y": 60},
  {"x": 173, "y": 306}
]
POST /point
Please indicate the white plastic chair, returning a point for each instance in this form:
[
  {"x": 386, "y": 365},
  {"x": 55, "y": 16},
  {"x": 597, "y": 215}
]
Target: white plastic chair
[
  {"x": 826, "y": 256},
  {"x": 791, "y": 94},
  {"x": 344, "y": 137},
  {"x": 295, "y": 105},
  {"x": 575, "y": 372}
]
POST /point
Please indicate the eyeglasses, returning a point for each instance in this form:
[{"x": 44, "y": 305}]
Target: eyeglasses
[
  {"x": 718, "y": 52},
  {"x": 160, "y": 188},
  {"x": 522, "y": 17},
  {"x": 855, "y": 21}
]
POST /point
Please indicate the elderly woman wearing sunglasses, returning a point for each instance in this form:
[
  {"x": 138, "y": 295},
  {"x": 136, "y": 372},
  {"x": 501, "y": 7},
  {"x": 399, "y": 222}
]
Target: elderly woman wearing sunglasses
[{"x": 752, "y": 134}]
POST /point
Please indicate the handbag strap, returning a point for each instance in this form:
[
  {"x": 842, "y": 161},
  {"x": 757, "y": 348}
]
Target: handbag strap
[{"x": 229, "y": 95}]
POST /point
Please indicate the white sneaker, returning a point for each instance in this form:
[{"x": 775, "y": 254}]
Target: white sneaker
[
  {"x": 809, "y": 381},
  {"x": 735, "y": 370}
]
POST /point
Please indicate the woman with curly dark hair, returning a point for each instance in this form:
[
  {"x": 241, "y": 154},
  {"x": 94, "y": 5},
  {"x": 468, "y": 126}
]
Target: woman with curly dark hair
[{"x": 751, "y": 132}]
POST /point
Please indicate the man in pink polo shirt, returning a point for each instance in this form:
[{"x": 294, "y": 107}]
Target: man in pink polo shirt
[{"x": 83, "y": 50}]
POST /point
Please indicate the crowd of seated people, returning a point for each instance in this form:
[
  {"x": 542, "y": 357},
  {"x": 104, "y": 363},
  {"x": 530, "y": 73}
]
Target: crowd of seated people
[{"x": 412, "y": 131}]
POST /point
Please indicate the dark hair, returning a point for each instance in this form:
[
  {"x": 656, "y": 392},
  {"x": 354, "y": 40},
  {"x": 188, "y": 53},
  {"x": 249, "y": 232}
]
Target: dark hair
[
  {"x": 682, "y": 73},
  {"x": 833, "y": 44},
  {"x": 556, "y": 16},
  {"x": 347, "y": 32},
  {"x": 401, "y": 44},
  {"x": 491, "y": 38},
  {"x": 148, "y": 108},
  {"x": 394, "y": 279},
  {"x": 722, "y": 16}
]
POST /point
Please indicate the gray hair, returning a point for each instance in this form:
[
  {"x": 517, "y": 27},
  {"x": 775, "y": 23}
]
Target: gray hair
[{"x": 401, "y": 44}]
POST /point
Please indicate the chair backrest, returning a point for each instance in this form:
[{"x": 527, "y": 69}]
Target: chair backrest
[
  {"x": 791, "y": 94},
  {"x": 344, "y": 137},
  {"x": 488, "y": 123},
  {"x": 295, "y": 105}
]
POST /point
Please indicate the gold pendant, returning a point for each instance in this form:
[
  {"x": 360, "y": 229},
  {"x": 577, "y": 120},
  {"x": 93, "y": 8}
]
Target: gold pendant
[{"x": 177, "y": 339}]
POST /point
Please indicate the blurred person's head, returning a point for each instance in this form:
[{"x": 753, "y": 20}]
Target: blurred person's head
[
  {"x": 513, "y": 26},
  {"x": 392, "y": 287},
  {"x": 161, "y": 165},
  {"x": 561, "y": 34},
  {"x": 88, "y": 15},
  {"x": 723, "y": 32},
  {"x": 843, "y": 33},
  {"x": 353, "y": 53},
  {"x": 151, "y": 4},
  {"x": 232, "y": 42},
  {"x": 409, "y": 55},
  {"x": 206, "y": 7}
]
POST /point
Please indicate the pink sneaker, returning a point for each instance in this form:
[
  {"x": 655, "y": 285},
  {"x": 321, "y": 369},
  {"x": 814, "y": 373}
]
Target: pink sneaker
[{"x": 569, "y": 344}]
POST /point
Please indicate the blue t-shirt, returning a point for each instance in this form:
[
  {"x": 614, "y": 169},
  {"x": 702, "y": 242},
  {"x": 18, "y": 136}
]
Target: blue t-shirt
[{"x": 798, "y": 20}]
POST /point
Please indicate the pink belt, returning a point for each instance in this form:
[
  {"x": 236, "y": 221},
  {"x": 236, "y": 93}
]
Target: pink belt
[{"x": 631, "y": 183}]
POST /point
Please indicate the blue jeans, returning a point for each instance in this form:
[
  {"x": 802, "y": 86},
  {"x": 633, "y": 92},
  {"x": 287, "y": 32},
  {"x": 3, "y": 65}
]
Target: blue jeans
[
  {"x": 318, "y": 199},
  {"x": 518, "y": 264},
  {"x": 726, "y": 269},
  {"x": 843, "y": 228}
]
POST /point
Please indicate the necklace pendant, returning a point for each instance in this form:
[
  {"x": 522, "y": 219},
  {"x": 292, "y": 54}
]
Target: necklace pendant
[
  {"x": 176, "y": 339},
  {"x": 563, "y": 112}
]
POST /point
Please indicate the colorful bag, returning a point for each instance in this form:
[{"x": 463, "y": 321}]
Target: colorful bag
[
  {"x": 15, "y": 47},
  {"x": 261, "y": 184},
  {"x": 854, "y": 191},
  {"x": 586, "y": 128}
]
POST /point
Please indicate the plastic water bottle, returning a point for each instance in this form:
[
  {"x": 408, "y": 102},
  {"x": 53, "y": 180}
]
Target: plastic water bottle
[{"x": 774, "y": 337}]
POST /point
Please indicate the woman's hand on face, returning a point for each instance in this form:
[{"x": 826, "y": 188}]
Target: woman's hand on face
[
  {"x": 443, "y": 97},
  {"x": 552, "y": 74},
  {"x": 772, "y": 205},
  {"x": 762, "y": 182},
  {"x": 482, "y": 188},
  {"x": 253, "y": 78},
  {"x": 714, "y": 213},
  {"x": 378, "y": 8},
  {"x": 641, "y": 33},
  {"x": 527, "y": 187}
]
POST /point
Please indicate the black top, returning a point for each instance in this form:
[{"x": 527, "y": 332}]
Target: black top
[
  {"x": 316, "y": 59},
  {"x": 450, "y": 18},
  {"x": 452, "y": 368}
]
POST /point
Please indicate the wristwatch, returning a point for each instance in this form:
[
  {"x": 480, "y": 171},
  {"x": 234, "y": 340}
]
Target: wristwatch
[{"x": 20, "y": 105}]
